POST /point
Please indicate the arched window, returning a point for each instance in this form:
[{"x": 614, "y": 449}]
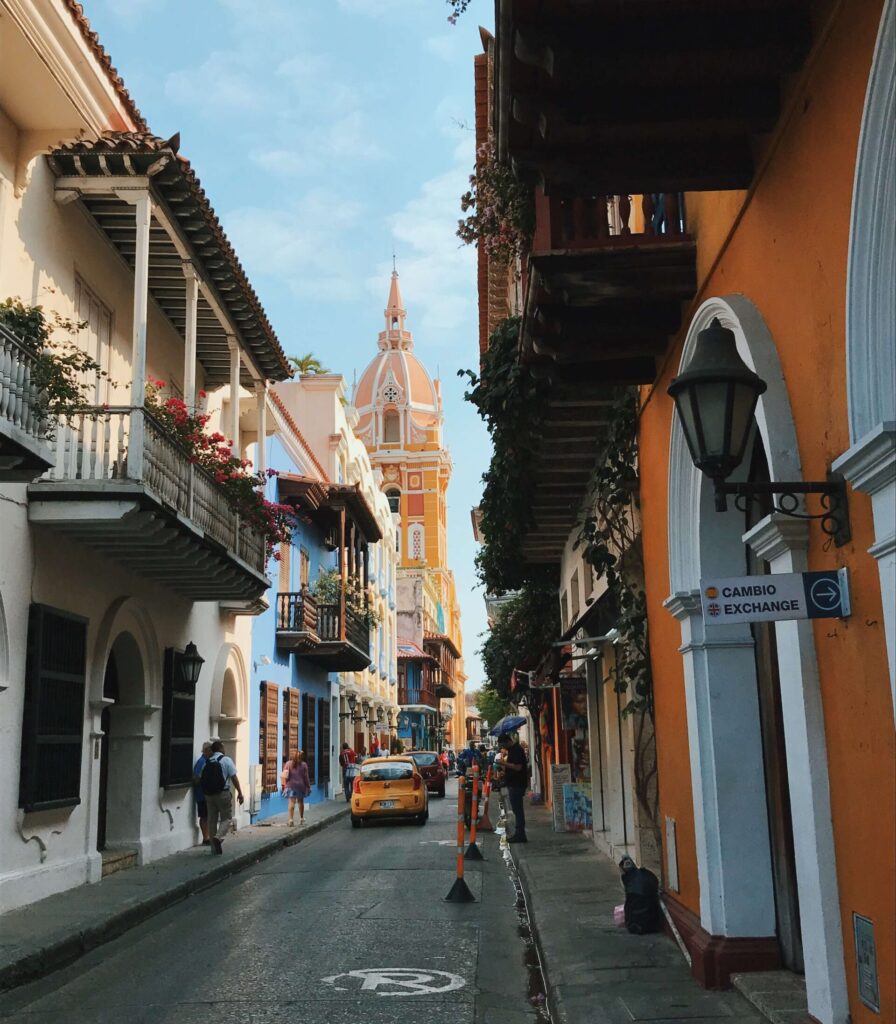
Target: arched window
[
  {"x": 394, "y": 497},
  {"x": 416, "y": 541},
  {"x": 391, "y": 427}
]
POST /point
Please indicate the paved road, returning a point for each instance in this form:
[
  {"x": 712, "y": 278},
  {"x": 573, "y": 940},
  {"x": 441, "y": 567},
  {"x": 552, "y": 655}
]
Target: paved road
[{"x": 259, "y": 948}]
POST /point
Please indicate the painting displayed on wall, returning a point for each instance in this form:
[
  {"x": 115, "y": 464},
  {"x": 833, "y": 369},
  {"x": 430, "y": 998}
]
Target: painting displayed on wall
[{"x": 577, "y": 806}]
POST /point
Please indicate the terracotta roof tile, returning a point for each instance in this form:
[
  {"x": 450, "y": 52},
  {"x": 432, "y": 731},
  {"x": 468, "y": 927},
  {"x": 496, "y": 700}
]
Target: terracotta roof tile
[{"x": 93, "y": 41}]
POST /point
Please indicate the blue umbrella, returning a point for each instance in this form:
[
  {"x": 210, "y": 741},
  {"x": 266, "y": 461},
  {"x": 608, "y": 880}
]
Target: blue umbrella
[{"x": 509, "y": 723}]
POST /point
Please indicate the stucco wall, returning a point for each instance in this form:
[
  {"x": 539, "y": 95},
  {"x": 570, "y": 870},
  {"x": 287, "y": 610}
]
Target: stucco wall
[{"x": 787, "y": 255}]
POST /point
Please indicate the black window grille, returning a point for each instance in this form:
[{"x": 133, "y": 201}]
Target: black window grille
[
  {"x": 53, "y": 716},
  {"x": 309, "y": 734},
  {"x": 178, "y": 721}
]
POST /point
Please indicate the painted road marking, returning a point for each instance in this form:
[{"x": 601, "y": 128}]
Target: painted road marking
[
  {"x": 397, "y": 981},
  {"x": 437, "y": 842}
]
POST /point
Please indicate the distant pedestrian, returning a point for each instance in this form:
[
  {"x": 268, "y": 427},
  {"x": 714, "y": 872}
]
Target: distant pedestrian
[
  {"x": 516, "y": 781},
  {"x": 348, "y": 763},
  {"x": 296, "y": 785},
  {"x": 218, "y": 780},
  {"x": 201, "y": 804}
]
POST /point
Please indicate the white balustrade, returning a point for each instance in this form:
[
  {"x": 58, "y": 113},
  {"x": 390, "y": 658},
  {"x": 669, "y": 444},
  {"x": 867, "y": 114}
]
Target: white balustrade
[
  {"x": 94, "y": 444},
  {"x": 19, "y": 395}
]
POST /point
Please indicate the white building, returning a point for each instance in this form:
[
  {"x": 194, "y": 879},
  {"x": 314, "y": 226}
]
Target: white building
[{"x": 116, "y": 551}]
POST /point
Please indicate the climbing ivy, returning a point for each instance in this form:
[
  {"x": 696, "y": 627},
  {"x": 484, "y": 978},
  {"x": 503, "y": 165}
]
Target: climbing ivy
[
  {"x": 511, "y": 402},
  {"x": 521, "y": 635},
  {"x": 610, "y": 536}
]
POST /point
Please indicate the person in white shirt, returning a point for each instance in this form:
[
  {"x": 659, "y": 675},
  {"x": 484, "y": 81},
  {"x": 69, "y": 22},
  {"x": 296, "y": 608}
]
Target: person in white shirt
[{"x": 218, "y": 781}]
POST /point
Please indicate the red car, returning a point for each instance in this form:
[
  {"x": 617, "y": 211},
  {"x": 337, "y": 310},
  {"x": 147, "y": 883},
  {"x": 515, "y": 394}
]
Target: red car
[{"x": 434, "y": 774}]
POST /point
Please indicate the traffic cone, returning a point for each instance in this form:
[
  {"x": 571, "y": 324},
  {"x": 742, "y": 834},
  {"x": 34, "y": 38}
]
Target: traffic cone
[
  {"x": 460, "y": 891},
  {"x": 473, "y": 851},
  {"x": 485, "y": 822}
]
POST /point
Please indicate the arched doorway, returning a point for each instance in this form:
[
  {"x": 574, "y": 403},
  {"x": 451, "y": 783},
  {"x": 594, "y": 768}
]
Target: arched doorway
[
  {"x": 122, "y": 748},
  {"x": 230, "y": 713},
  {"x": 734, "y": 816}
]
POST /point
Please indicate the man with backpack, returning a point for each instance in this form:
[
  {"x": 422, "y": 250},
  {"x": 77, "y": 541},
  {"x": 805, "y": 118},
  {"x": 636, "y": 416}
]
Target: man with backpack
[
  {"x": 218, "y": 774},
  {"x": 347, "y": 762}
]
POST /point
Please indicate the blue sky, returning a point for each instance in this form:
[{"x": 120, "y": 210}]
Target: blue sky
[{"x": 328, "y": 134}]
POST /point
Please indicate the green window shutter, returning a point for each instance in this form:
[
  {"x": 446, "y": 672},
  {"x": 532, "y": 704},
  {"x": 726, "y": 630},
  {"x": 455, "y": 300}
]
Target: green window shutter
[{"x": 178, "y": 726}]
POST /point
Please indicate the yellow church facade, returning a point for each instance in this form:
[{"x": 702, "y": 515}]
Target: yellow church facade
[{"x": 400, "y": 422}]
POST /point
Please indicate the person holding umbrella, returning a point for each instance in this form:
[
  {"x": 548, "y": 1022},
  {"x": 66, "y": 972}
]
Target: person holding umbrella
[{"x": 516, "y": 780}]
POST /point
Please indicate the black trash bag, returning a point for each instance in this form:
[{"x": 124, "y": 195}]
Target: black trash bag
[{"x": 642, "y": 898}]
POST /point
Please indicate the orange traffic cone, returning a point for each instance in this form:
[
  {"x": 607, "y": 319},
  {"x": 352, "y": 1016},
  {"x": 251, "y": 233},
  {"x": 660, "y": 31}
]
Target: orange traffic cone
[{"x": 485, "y": 822}]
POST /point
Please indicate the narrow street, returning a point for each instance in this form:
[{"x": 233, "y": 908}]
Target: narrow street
[{"x": 278, "y": 942}]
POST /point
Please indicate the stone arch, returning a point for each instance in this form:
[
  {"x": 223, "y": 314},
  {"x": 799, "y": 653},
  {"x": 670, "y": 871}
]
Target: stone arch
[
  {"x": 229, "y": 696},
  {"x": 727, "y": 771},
  {"x": 128, "y": 615}
]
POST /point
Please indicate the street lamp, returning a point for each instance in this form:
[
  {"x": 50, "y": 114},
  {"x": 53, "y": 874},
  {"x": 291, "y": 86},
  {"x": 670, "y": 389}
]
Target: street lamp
[
  {"x": 190, "y": 664},
  {"x": 716, "y": 397},
  {"x": 352, "y": 702}
]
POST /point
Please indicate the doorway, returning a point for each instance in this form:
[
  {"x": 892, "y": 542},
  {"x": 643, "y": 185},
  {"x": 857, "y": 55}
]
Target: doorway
[
  {"x": 110, "y": 692},
  {"x": 774, "y": 752}
]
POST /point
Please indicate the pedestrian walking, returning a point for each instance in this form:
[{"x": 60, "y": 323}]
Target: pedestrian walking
[
  {"x": 296, "y": 785},
  {"x": 348, "y": 762},
  {"x": 516, "y": 780},
  {"x": 199, "y": 796},
  {"x": 218, "y": 780}
]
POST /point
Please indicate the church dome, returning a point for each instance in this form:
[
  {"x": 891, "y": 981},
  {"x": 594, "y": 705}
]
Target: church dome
[{"x": 396, "y": 399}]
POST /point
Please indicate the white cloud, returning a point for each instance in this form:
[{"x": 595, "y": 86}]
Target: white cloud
[
  {"x": 224, "y": 80},
  {"x": 304, "y": 244}
]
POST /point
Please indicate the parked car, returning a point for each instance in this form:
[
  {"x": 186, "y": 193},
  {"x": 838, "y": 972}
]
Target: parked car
[
  {"x": 432, "y": 770},
  {"x": 389, "y": 787}
]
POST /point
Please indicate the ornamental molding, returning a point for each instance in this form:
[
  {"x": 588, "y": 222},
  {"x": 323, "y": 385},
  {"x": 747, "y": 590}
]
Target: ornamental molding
[
  {"x": 870, "y": 464},
  {"x": 777, "y": 535}
]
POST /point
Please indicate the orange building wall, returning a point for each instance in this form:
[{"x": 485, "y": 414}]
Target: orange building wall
[{"x": 788, "y": 256}]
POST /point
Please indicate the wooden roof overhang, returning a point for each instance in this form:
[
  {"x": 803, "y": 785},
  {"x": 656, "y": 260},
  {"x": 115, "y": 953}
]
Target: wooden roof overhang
[
  {"x": 599, "y": 97},
  {"x": 441, "y": 639},
  {"x": 322, "y": 502},
  {"x": 100, "y": 173}
]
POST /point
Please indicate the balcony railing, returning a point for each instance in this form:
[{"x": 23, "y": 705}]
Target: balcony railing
[
  {"x": 297, "y": 613},
  {"x": 123, "y": 443},
  {"x": 315, "y": 629},
  {"x": 23, "y": 444},
  {"x": 595, "y": 221}
]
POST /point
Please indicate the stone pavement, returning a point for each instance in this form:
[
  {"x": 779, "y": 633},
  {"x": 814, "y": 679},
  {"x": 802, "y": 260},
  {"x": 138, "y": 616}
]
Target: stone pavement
[
  {"x": 53, "y": 932},
  {"x": 595, "y": 971}
]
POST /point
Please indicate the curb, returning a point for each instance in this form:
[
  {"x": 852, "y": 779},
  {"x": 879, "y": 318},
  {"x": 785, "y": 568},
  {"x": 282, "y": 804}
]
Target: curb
[
  {"x": 554, "y": 1002},
  {"x": 65, "y": 951}
]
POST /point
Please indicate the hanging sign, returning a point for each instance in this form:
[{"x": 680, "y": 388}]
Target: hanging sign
[{"x": 791, "y": 595}]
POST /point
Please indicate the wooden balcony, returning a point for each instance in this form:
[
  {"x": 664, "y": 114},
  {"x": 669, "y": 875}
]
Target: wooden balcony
[
  {"x": 123, "y": 486},
  {"x": 440, "y": 647},
  {"x": 607, "y": 279},
  {"x": 24, "y": 449},
  {"x": 596, "y": 96},
  {"x": 321, "y": 633}
]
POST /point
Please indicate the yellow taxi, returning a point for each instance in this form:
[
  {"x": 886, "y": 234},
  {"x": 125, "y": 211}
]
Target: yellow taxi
[{"x": 389, "y": 787}]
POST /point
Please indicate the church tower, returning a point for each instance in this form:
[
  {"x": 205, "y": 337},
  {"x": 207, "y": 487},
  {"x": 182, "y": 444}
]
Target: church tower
[{"x": 400, "y": 421}]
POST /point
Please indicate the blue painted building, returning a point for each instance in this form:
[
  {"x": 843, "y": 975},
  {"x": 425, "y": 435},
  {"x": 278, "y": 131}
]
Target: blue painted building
[{"x": 292, "y": 699}]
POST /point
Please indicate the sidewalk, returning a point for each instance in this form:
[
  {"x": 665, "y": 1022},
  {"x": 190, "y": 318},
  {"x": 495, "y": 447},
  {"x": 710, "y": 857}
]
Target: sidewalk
[
  {"x": 596, "y": 972},
  {"x": 53, "y": 932}
]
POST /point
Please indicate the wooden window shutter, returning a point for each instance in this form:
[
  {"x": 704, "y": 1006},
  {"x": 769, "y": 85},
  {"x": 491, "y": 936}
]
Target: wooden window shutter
[
  {"x": 53, "y": 716},
  {"x": 178, "y": 725},
  {"x": 323, "y": 705},
  {"x": 267, "y": 737},
  {"x": 290, "y": 721},
  {"x": 304, "y": 568},
  {"x": 283, "y": 579},
  {"x": 309, "y": 734}
]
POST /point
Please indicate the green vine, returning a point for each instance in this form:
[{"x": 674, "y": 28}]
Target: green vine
[
  {"x": 327, "y": 589},
  {"x": 511, "y": 402},
  {"x": 62, "y": 372},
  {"x": 610, "y": 536}
]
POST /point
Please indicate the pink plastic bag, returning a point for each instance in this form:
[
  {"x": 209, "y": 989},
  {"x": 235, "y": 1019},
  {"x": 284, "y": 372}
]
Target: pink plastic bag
[{"x": 619, "y": 915}]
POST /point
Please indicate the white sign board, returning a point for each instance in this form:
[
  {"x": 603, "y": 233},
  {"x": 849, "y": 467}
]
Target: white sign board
[
  {"x": 560, "y": 775},
  {"x": 792, "y": 595}
]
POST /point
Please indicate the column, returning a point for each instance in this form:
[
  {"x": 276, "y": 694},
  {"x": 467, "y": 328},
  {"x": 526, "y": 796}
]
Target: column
[
  {"x": 727, "y": 774},
  {"x": 234, "y": 347},
  {"x": 142, "y": 204},
  {"x": 191, "y": 303},
  {"x": 783, "y": 543},
  {"x": 261, "y": 405}
]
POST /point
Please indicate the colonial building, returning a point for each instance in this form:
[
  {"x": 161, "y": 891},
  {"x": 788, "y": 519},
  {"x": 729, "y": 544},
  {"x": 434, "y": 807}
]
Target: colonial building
[
  {"x": 356, "y": 640},
  {"x": 681, "y": 233},
  {"x": 126, "y": 576},
  {"x": 400, "y": 421}
]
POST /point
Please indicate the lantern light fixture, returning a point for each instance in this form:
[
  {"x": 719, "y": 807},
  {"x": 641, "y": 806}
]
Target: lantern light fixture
[
  {"x": 190, "y": 664},
  {"x": 716, "y": 397}
]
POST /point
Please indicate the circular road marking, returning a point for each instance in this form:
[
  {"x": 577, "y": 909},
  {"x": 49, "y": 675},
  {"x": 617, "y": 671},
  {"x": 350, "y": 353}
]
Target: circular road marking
[{"x": 395, "y": 981}]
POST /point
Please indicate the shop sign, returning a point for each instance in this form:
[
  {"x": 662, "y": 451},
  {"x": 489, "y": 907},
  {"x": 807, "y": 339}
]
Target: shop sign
[
  {"x": 791, "y": 595},
  {"x": 561, "y": 774}
]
